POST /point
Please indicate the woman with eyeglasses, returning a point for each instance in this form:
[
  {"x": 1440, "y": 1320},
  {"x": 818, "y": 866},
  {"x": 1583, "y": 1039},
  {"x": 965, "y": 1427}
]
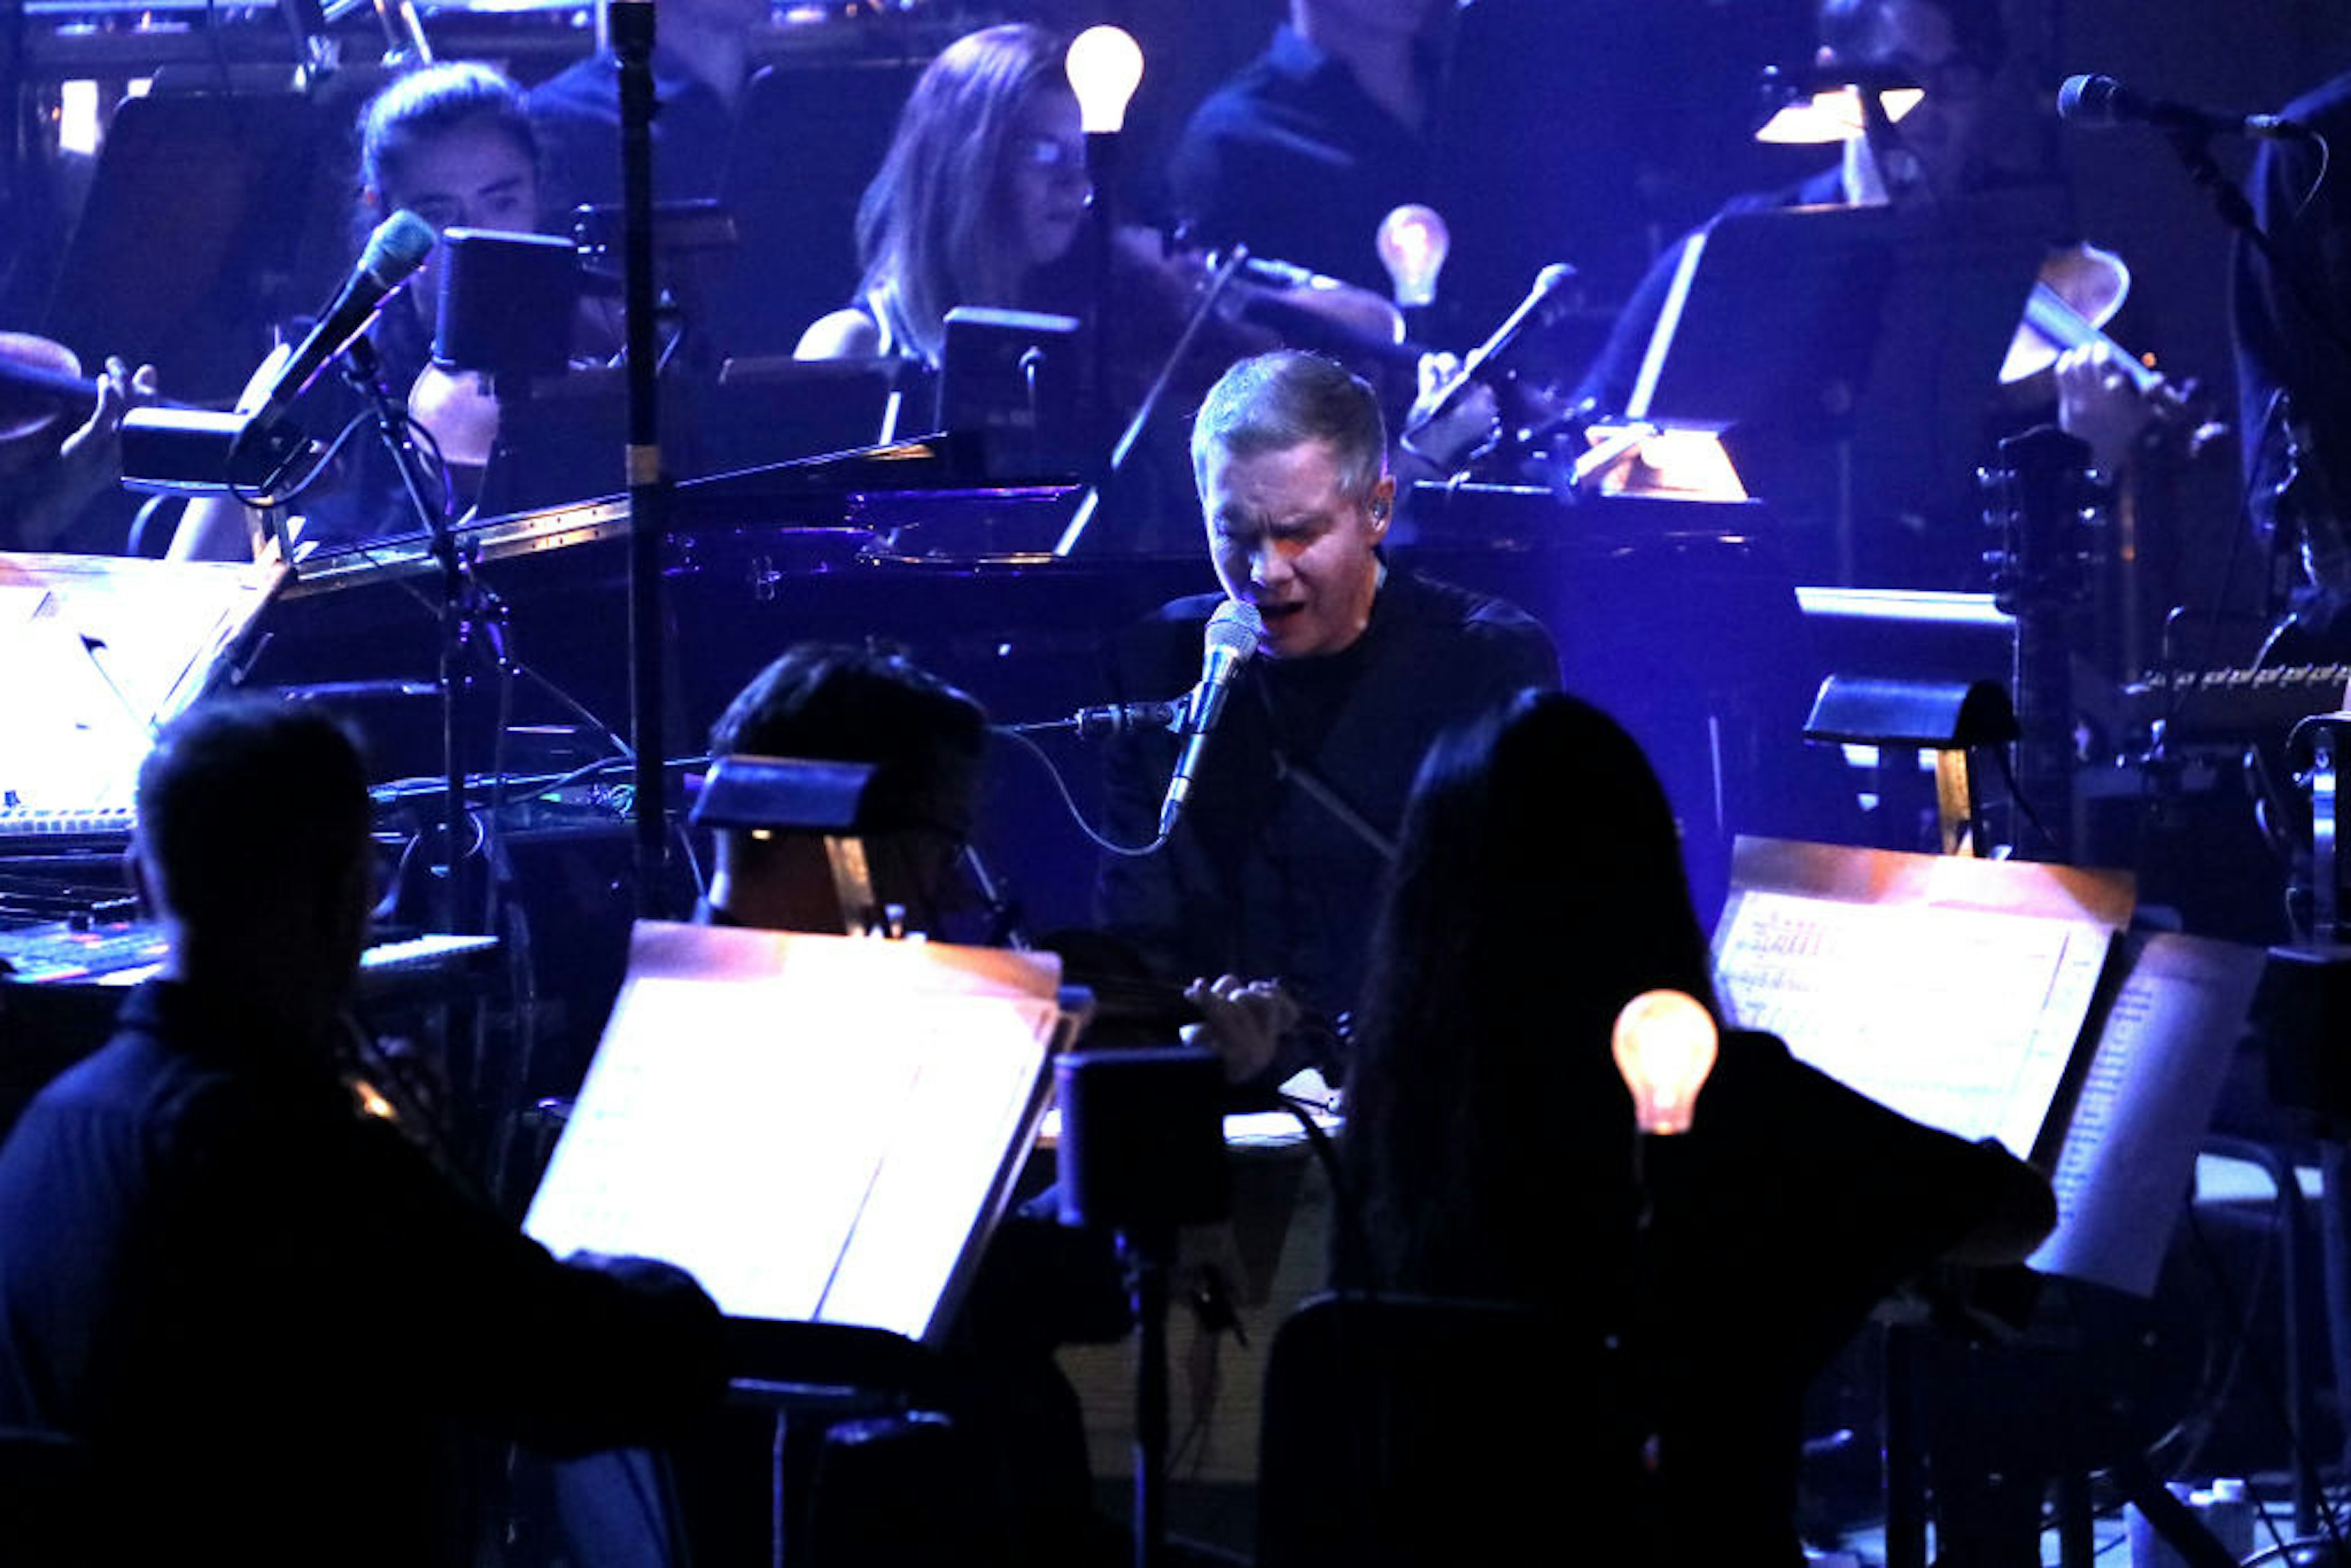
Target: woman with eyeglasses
[{"x": 979, "y": 201}]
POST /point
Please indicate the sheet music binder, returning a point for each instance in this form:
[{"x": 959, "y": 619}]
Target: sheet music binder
[
  {"x": 1999, "y": 999},
  {"x": 819, "y": 1129}
]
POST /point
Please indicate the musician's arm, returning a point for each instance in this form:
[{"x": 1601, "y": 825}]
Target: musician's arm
[
  {"x": 89, "y": 462},
  {"x": 220, "y": 527}
]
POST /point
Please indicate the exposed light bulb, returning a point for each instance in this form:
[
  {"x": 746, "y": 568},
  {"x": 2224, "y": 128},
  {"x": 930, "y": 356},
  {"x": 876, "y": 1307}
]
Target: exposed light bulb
[
  {"x": 1665, "y": 1043},
  {"x": 1104, "y": 65},
  {"x": 1413, "y": 243}
]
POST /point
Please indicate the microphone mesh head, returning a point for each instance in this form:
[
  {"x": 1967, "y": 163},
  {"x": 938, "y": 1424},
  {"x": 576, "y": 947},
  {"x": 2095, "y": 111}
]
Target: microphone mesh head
[
  {"x": 398, "y": 247},
  {"x": 1234, "y": 629},
  {"x": 2091, "y": 99}
]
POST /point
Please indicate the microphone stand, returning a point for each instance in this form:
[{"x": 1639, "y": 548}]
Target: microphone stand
[
  {"x": 460, "y": 604},
  {"x": 631, "y": 24},
  {"x": 2193, "y": 147},
  {"x": 1092, "y": 501}
]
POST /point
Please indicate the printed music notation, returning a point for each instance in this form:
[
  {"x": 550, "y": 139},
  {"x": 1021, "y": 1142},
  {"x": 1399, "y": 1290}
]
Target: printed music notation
[
  {"x": 2005, "y": 1000},
  {"x": 818, "y": 1128},
  {"x": 1962, "y": 1018},
  {"x": 2163, "y": 1046}
]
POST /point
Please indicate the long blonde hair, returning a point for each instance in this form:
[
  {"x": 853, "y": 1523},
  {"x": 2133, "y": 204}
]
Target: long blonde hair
[{"x": 935, "y": 229}]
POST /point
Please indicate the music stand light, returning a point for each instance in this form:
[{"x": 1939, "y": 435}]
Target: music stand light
[
  {"x": 1830, "y": 104},
  {"x": 767, "y": 796},
  {"x": 1950, "y": 719}
]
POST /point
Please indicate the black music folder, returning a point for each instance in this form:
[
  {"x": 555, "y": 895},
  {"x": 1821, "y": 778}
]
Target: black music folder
[
  {"x": 819, "y": 1129},
  {"x": 1848, "y": 355}
]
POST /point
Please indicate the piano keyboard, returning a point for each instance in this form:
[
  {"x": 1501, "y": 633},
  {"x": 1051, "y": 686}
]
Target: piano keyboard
[
  {"x": 45, "y": 823},
  {"x": 123, "y": 954}
]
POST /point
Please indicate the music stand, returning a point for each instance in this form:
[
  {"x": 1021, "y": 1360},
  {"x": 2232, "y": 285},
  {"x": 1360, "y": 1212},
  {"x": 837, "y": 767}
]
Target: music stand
[
  {"x": 183, "y": 253},
  {"x": 1869, "y": 336}
]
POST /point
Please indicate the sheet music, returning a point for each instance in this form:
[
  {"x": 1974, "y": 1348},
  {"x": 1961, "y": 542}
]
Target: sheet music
[
  {"x": 1954, "y": 991},
  {"x": 816, "y": 1128},
  {"x": 2143, "y": 1107},
  {"x": 100, "y": 650}
]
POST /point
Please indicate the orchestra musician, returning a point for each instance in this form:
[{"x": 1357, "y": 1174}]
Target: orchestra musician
[
  {"x": 1274, "y": 869},
  {"x": 1338, "y": 105},
  {"x": 1959, "y": 140},
  {"x": 451, "y": 143},
  {"x": 979, "y": 199},
  {"x": 55, "y": 461},
  {"x": 1538, "y": 889},
  {"x": 269, "y": 1320},
  {"x": 2294, "y": 372},
  {"x": 700, "y": 66}
]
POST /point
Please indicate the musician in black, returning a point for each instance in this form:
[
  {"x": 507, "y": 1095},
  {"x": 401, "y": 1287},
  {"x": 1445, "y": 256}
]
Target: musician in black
[
  {"x": 1338, "y": 105},
  {"x": 1274, "y": 868},
  {"x": 451, "y": 143},
  {"x": 2293, "y": 370},
  {"x": 1970, "y": 134},
  {"x": 264, "y": 1314},
  {"x": 701, "y": 65},
  {"x": 1491, "y": 1142}
]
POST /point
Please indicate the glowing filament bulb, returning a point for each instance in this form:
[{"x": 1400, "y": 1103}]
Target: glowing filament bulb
[
  {"x": 1412, "y": 244},
  {"x": 1665, "y": 1043},
  {"x": 1104, "y": 65}
]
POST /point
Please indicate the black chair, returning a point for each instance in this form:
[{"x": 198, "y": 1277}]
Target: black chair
[{"x": 1405, "y": 1432}]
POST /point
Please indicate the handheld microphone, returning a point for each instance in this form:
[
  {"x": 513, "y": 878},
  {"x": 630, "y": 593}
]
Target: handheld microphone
[
  {"x": 2091, "y": 100},
  {"x": 1231, "y": 638},
  {"x": 1550, "y": 283},
  {"x": 393, "y": 253}
]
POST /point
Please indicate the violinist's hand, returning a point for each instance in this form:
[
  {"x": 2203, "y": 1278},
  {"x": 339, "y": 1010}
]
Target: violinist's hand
[
  {"x": 1242, "y": 1021},
  {"x": 2099, "y": 402},
  {"x": 89, "y": 461},
  {"x": 1472, "y": 422}
]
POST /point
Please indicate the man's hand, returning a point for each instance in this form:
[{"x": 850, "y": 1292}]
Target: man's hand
[{"x": 1242, "y": 1021}]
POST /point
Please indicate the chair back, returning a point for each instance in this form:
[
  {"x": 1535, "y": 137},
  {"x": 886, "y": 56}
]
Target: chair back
[{"x": 1409, "y": 1432}]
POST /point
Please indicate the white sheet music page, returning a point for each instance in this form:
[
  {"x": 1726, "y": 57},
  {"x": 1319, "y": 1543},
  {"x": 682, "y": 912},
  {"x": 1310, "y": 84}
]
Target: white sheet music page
[
  {"x": 2143, "y": 1107},
  {"x": 1952, "y": 990},
  {"x": 816, "y": 1128}
]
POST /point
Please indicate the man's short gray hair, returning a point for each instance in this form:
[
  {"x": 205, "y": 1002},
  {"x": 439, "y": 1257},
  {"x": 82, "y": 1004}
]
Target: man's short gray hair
[{"x": 1285, "y": 399}]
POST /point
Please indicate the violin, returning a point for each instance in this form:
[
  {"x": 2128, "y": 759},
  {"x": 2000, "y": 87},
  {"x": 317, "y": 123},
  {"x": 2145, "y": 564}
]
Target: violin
[
  {"x": 44, "y": 396},
  {"x": 2079, "y": 290},
  {"x": 1157, "y": 284}
]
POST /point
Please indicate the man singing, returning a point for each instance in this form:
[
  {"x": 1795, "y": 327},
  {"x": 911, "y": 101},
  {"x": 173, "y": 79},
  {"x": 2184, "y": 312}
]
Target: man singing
[{"x": 1274, "y": 867}]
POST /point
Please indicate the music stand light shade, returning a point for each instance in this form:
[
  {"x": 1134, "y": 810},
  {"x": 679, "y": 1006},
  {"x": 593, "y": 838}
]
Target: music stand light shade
[
  {"x": 1104, "y": 65},
  {"x": 1665, "y": 1043},
  {"x": 506, "y": 302},
  {"x": 787, "y": 795},
  {"x": 197, "y": 452},
  {"x": 1924, "y": 716},
  {"x": 1810, "y": 108},
  {"x": 1685, "y": 462},
  {"x": 1142, "y": 1138}
]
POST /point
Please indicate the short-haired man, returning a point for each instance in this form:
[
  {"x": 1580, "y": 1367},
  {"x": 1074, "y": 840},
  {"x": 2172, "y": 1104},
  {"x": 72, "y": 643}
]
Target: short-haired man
[
  {"x": 264, "y": 1317},
  {"x": 1274, "y": 869}
]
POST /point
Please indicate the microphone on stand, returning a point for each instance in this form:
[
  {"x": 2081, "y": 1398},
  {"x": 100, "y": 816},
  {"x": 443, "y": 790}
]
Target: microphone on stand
[
  {"x": 2093, "y": 100},
  {"x": 393, "y": 253},
  {"x": 1230, "y": 639},
  {"x": 1551, "y": 285}
]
